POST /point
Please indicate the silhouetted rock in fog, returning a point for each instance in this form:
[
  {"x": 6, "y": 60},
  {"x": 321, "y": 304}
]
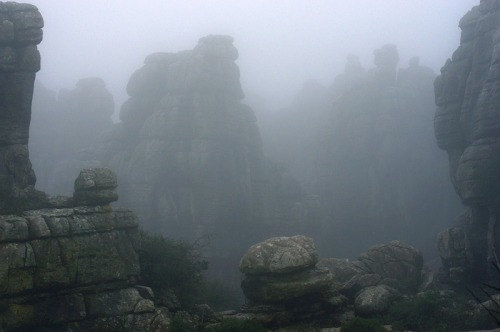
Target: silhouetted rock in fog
[
  {"x": 66, "y": 132},
  {"x": 380, "y": 176},
  {"x": 189, "y": 157},
  {"x": 19, "y": 61}
]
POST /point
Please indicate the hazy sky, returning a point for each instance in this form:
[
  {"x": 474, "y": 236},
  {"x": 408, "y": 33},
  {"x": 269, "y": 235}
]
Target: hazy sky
[{"x": 281, "y": 43}]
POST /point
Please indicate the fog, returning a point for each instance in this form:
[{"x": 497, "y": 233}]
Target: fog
[
  {"x": 281, "y": 43},
  {"x": 348, "y": 158}
]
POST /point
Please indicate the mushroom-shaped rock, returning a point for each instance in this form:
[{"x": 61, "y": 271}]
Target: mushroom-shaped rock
[
  {"x": 95, "y": 186},
  {"x": 279, "y": 255}
]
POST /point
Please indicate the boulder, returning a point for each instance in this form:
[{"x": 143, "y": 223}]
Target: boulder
[
  {"x": 279, "y": 255},
  {"x": 95, "y": 186},
  {"x": 374, "y": 300},
  {"x": 395, "y": 260}
]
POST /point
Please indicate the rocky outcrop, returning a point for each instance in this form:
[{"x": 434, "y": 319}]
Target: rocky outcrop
[
  {"x": 467, "y": 126},
  {"x": 284, "y": 281},
  {"x": 75, "y": 266},
  {"x": 378, "y": 277},
  {"x": 20, "y": 32}
]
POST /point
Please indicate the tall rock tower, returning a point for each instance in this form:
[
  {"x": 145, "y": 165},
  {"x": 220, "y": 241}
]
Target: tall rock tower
[
  {"x": 20, "y": 32},
  {"x": 467, "y": 126}
]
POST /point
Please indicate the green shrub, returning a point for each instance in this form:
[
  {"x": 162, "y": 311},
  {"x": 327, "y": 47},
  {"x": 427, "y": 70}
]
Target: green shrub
[
  {"x": 168, "y": 264},
  {"x": 363, "y": 325},
  {"x": 240, "y": 325},
  {"x": 431, "y": 312}
]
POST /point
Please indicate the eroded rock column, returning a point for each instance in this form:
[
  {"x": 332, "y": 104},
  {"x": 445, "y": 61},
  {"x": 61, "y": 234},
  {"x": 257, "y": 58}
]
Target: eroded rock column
[
  {"x": 467, "y": 126},
  {"x": 20, "y": 32}
]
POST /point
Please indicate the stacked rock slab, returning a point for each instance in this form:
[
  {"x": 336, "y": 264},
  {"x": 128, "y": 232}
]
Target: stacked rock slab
[
  {"x": 75, "y": 266},
  {"x": 20, "y": 32},
  {"x": 467, "y": 126},
  {"x": 282, "y": 280}
]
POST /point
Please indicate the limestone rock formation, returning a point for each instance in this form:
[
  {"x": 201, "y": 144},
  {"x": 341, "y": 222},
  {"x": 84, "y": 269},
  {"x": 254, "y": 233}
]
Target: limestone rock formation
[
  {"x": 75, "y": 266},
  {"x": 20, "y": 32},
  {"x": 66, "y": 263},
  {"x": 380, "y": 176},
  {"x": 188, "y": 155},
  {"x": 378, "y": 277},
  {"x": 283, "y": 288},
  {"x": 467, "y": 126}
]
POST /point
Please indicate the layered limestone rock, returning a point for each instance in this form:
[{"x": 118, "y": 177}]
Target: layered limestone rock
[
  {"x": 20, "y": 32},
  {"x": 75, "y": 266},
  {"x": 380, "y": 176},
  {"x": 283, "y": 283},
  {"x": 467, "y": 126}
]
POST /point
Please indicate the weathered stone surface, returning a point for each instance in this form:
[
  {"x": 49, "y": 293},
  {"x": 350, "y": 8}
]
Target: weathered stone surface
[
  {"x": 374, "y": 300},
  {"x": 95, "y": 186},
  {"x": 20, "y": 31},
  {"x": 73, "y": 250},
  {"x": 341, "y": 269},
  {"x": 396, "y": 261},
  {"x": 467, "y": 126},
  {"x": 279, "y": 255},
  {"x": 282, "y": 288}
]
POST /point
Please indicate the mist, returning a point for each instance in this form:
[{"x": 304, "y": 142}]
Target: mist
[{"x": 281, "y": 44}]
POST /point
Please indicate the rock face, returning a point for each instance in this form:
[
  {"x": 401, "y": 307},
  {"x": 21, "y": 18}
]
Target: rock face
[
  {"x": 20, "y": 32},
  {"x": 467, "y": 126},
  {"x": 75, "y": 266}
]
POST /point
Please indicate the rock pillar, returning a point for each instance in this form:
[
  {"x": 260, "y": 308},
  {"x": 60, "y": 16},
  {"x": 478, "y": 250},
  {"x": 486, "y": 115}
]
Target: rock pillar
[{"x": 20, "y": 32}]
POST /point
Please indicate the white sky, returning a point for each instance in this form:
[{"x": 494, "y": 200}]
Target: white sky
[{"x": 282, "y": 43}]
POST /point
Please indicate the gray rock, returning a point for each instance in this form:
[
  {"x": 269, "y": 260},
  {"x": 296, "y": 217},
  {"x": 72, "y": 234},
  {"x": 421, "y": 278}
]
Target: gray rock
[
  {"x": 467, "y": 126},
  {"x": 19, "y": 60},
  {"x": 374, "y": 300},
  {"x": 285, "y": 287},
  {"x": 95, "y": 186},
  {"x": 342, "y": 270},
  {"x": 279, "y": 255},
  {"x": 396, "y": 261}
]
